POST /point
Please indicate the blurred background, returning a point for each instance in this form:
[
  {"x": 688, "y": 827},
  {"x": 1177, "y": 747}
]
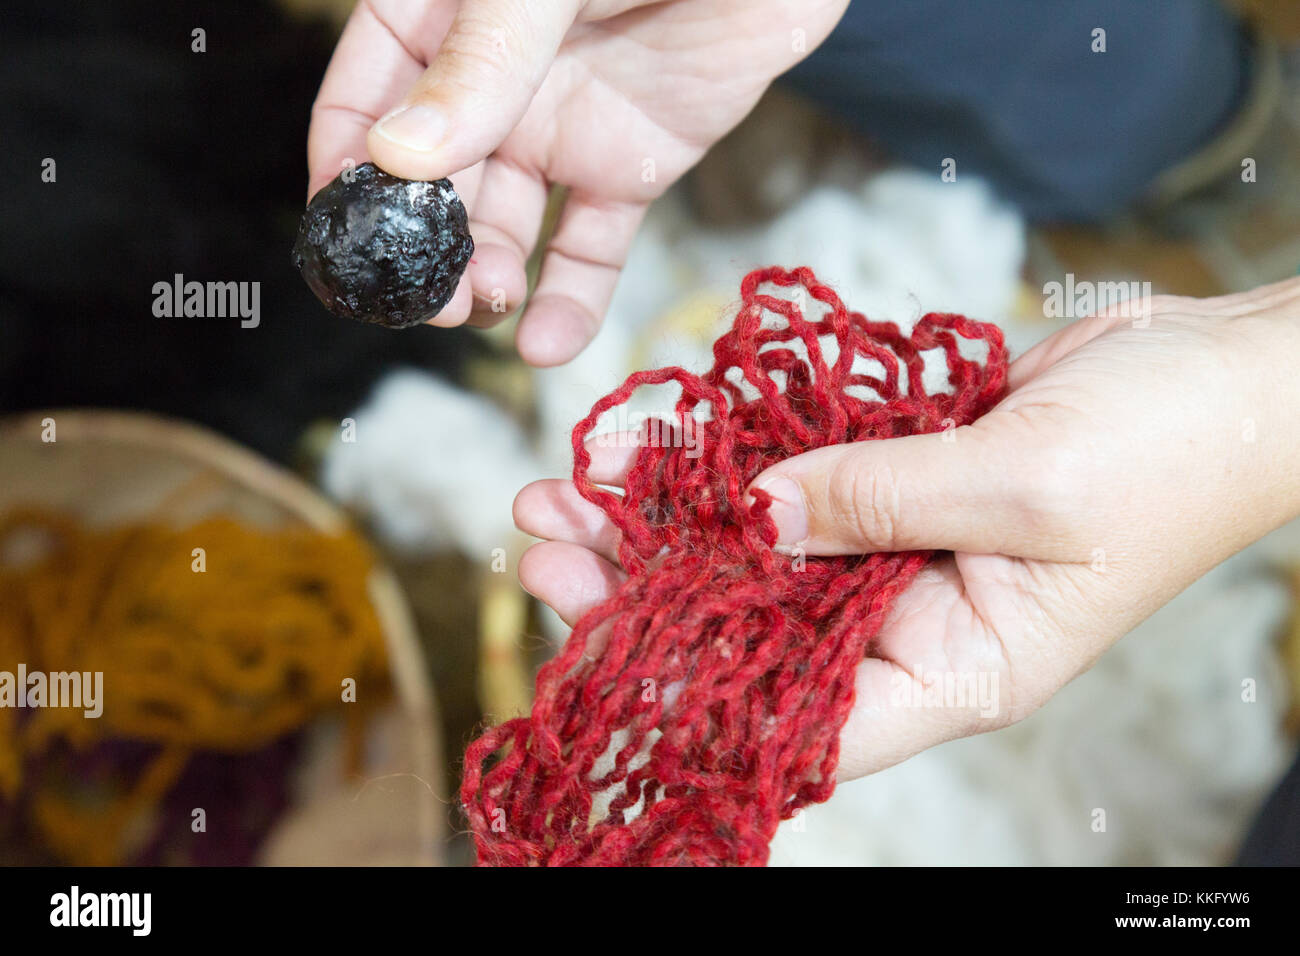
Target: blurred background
[{"x": 288, "y": 548}]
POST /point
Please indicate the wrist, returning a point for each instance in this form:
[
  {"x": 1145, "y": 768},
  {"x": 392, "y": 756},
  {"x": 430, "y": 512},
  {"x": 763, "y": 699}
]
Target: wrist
[{"x": 1271, "y": 410}]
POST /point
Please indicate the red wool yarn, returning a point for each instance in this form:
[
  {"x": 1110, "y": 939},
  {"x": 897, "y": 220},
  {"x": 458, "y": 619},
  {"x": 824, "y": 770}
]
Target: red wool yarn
[{"x": 701, "y": 704}]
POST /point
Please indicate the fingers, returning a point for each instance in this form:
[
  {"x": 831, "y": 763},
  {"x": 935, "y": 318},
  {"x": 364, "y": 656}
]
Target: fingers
[
  {"x": 952, "y": 491},
  {"x": 504, "y": 222},
  {"x": 577, "y": 568},
  {"x": 478, "y": 87},
  {"x": 378, "y": 59},
  {"x": 579, "y": 272},
  {"x": 553, "y": 509},
  {"x": 455, "y": 311},
  {"x": 882, "y": 728},
  {"x": 612, "y": 456},
  {"x": 369, "y": 70},
  {"x": 571, "y": 579},
  {"x": 880, "y": 732},
  {"x": 496, "y": 278},
  {"x": 493, "y": 58},
  {"x": 938, "y": 670}
]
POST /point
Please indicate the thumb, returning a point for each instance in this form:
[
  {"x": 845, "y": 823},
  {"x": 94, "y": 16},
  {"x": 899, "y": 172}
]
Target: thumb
[
  {"x": 476, "y": 90},
  {"x": 947, "y": 491}
]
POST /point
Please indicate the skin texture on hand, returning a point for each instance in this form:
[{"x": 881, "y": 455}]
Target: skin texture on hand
[
  {"x": 1131, "y": 456},
  {"x": 614, "y": 99}
]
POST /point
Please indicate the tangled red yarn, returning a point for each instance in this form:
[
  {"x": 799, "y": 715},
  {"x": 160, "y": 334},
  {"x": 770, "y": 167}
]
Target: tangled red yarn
[{"x": 702, "y": 703}]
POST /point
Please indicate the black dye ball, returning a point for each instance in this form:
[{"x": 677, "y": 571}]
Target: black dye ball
[{"x": 380, "y": 249}]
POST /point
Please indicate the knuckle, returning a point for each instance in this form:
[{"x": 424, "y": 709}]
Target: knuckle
[
  {"x": 969, "y": 722},
  {"x": 468, "y": 64},
  {"x": 1052, "y": 491},
  {"x": 485, "y": 47},
  {"x": 1047, "y": 480},
  {"x": 865, "y": 498}
]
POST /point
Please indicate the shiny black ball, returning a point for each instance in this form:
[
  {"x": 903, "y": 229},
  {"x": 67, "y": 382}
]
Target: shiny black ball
[{"x": 380, "y": 249}]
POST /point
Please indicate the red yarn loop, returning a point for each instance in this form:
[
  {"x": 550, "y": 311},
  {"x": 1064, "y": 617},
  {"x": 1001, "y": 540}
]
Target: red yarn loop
[{"x": 703, "y": 702}]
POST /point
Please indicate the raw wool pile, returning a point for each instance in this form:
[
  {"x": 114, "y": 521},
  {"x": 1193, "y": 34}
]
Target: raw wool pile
[
  {"x": 434, "y": 467},
  {"x": 721, "y": 672}
]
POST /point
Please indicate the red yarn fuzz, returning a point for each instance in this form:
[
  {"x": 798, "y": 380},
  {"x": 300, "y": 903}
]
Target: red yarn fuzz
[{"x": 702, "y": 704}]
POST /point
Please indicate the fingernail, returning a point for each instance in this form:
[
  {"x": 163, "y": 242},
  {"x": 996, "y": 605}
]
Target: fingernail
[
  {"x": 419, "y": 127},
  {"x": 787, "y": 511}
]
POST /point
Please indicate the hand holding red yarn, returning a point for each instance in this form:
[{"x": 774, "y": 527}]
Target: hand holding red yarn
[
  {"x": 701, "y": 703},
  {"x": 1128, "y": 459}
]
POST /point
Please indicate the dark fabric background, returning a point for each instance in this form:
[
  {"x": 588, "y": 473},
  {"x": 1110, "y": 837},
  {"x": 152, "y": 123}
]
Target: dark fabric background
[
  {"x": 1012, "y": 90},
  {"x": 171, "y": 162}
]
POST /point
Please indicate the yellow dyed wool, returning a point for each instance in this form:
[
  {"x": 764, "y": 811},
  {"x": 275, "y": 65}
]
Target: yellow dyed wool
[{"x": 225, "y": 651}]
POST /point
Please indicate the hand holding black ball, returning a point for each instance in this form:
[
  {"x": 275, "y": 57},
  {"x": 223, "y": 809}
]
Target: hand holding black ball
[
  {"x": 512, "y": 98},
  {"x": 380, "y": 249}
]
